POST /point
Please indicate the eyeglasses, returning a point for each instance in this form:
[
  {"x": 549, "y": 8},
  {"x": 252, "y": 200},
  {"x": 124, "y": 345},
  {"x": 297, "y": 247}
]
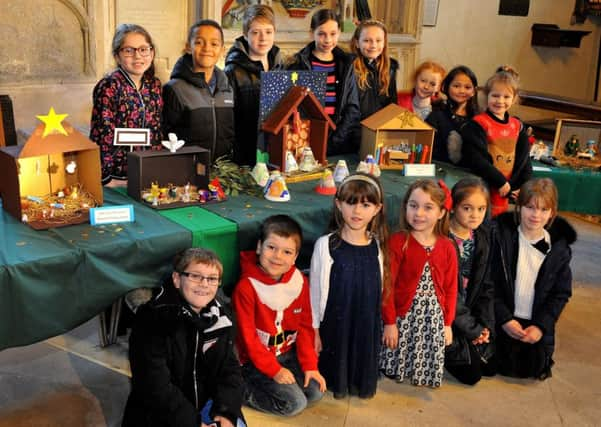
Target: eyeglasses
[
  {"x": 199, "y": 278},
  {"x": 131, "y": 51}
]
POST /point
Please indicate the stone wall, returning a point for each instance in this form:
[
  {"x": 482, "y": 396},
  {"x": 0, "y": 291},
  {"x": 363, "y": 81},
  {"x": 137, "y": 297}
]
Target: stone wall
[
  {"x": 44, "y": 40},
  {"x": 54, "y": 51}
]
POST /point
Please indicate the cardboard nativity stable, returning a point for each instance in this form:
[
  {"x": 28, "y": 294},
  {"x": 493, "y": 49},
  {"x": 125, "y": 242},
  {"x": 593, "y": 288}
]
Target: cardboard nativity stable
[
  {"x": 187, "y": 166},
  {"x": 297, "y": 121},
  {"x": 395, "y": 136},
  {"x": 54, "y": 178}
]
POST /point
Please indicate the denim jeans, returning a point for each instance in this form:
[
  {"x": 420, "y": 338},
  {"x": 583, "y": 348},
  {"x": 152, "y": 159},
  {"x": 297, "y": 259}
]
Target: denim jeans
[
  {"x": 264, "y": 394},
  {"x": 206, "y": 417}
]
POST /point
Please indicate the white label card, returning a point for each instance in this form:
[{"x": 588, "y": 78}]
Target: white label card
[
  {"x": 419, "y": 169},
  {"x": 111, "y": 214},
  {"x": 125, "y": 136}
]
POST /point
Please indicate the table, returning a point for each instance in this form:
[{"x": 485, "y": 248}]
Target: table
[
  {"x": 51, "y": 281},
  {"x": 579, "y": 190}
]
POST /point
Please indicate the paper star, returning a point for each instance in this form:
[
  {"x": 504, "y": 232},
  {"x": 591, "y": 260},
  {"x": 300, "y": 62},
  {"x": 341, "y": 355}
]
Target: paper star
[{"x": 53, "y": 123}]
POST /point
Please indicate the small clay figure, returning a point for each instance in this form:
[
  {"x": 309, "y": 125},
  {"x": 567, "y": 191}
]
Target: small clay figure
[
  {"x": 186, "y": 195},
  {"x": 591, "y": 147},
  {"x": 572, "y": 146}
]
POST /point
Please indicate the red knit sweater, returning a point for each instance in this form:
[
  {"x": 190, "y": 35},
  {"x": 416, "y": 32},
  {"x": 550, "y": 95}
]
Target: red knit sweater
[
  {"x": 405, "y": 99},
  {"x": 406, "y": 268},
  {"x": 501, "y": 139},
  {"x": 257, "y": 299}
]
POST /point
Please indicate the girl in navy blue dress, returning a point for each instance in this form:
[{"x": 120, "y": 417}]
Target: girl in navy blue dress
[{"x": 347, "y": 278}]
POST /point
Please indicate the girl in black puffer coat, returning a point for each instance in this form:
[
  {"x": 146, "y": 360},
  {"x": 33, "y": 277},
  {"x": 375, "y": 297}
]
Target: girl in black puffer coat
[
  {"x": 533, "y": 280},
  {"x": 470, "y": 354}
]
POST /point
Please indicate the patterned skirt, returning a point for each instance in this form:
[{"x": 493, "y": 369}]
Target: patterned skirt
[{"x": 420, "y": 352}]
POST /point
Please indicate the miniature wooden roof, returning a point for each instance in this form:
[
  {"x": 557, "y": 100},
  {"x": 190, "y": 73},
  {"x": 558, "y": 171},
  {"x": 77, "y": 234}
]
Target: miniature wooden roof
[
  {"x": 394, "y": 117},
  {"x": 297, "y": 96},
  {"x": 38, "y": 145}
]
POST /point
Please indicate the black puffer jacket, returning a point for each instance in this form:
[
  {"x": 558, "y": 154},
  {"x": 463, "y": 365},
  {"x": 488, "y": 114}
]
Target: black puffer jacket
[
  {"x": 370, "y": 99},
  {"x": 194, "y": 114},
  {"x": 475, "y": 305},
  {"x": 553, "y": 286},
  {"x": 245, "y": 78},
  {"x": 346, "y": 118},
  {"x": 179, "y": 360},
  {"x": 446, "y": 123}
]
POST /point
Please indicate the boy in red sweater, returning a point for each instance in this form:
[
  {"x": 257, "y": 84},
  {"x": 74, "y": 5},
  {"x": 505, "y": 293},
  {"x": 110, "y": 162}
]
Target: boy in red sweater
[{"x": 275, "y": 339}]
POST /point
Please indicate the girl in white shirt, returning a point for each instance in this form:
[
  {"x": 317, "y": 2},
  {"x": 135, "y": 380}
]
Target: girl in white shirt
[{"x": 533, "y": 280}]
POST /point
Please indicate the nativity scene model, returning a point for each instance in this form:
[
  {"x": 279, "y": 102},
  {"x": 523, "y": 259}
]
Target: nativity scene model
[
  {"x": 577, "y": 143},
  {"x": 172, "y": 178},
  {"x": 54, "y": 178},
  {"x": 297, "y": 126}
]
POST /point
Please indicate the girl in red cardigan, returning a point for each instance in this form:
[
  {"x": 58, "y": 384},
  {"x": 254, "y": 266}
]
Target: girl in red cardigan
[{"x": 418, "y": 313}]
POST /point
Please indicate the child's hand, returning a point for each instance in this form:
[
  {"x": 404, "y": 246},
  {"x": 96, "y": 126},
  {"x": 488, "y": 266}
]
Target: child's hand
[
  {"x": 315, "y": 375},
  {"x": 284, "y": 376},
  {"x": 318, "y": 345},
  {"x": 514, "y": 329},
  {"x": 448, "y": 336},
  {"x": 533, "y": 334},
  {"x": 504, "y": 190},
  {"x": 515, "y": 193},
  {"x": 483, "y": 338},
  {"x": 390, "y": 338},
  {"x": 224, "y": 422}
]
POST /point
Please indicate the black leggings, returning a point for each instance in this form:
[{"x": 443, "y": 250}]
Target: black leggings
[{"x": 522, "y": 360}]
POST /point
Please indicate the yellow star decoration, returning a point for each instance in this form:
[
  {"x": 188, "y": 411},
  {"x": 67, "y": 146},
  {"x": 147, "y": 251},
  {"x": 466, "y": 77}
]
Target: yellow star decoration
[
  {"x": 53, "y": 123},
  {"x": 294, "y": 77}
]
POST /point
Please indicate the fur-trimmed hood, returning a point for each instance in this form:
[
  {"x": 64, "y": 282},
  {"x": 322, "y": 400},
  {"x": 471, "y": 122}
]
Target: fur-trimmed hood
[{"x": 560, "y": 228}]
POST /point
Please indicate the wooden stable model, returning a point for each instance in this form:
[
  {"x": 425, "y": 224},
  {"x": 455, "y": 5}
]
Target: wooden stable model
[
  {"x": 52, "y": 180},
  {"x": 297, "y": 121},
  {"x": 577, "y": 143},
  {"x": 395, "y": 136}
]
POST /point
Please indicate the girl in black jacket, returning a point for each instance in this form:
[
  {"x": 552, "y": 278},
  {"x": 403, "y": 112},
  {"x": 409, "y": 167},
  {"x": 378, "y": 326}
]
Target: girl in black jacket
[
  {"x": 469, "y": 355},
  {"x": 181, "y": 351},
  {"x": 375, "y": 71},
  {"x": 495, "y": 144},
  {"x": 533, "y": 280},
  {"x": 342, "y": 99},
  {"x": 448, "y": 116}
]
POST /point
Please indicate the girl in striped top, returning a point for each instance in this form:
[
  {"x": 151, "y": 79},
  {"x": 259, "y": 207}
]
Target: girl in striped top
[{"x": 342, "y": 97}]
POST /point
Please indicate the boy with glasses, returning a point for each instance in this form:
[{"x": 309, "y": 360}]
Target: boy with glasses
[{"x": 181, "y": 351}]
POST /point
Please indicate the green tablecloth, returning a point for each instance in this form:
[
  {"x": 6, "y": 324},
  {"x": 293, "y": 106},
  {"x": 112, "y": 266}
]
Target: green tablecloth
[
  {"x": 53, "y": 280},
  {"x": 579, "y": 190}
]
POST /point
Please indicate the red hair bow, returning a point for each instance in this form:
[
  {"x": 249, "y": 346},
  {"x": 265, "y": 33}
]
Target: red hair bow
[{"x": 448, "y": 200}]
